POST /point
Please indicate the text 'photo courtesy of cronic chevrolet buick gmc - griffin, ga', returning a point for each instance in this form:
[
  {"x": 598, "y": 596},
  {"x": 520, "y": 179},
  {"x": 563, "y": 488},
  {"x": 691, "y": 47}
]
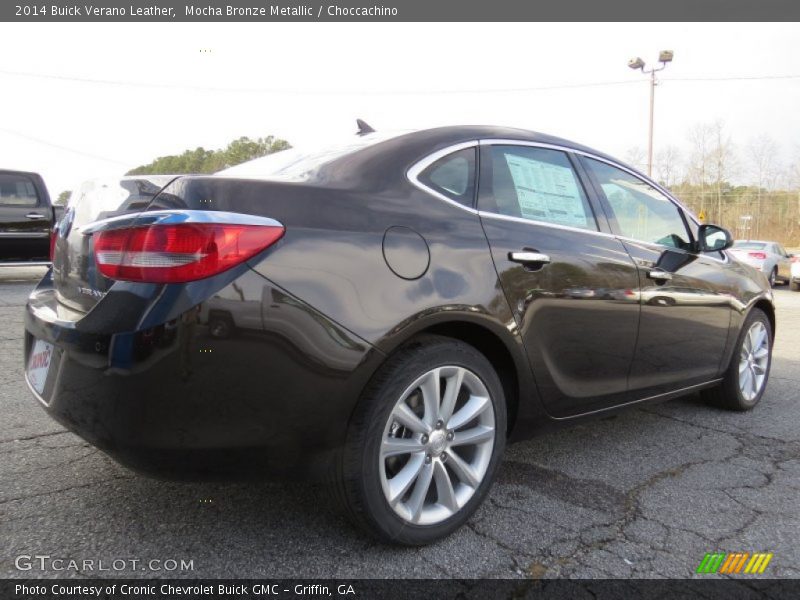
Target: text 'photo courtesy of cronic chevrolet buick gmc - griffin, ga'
[{"x": 384, "y": 314}]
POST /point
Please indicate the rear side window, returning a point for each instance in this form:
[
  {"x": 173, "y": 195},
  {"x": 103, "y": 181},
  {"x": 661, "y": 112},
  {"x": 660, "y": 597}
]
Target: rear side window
[
  {"x": 453, "y": 176},
  {"x": 17, "y": 190},
  {"x": 538, "y": 184}
]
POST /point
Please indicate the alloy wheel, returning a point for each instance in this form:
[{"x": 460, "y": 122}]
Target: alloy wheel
[
  {"x": 437, "y": 445},
  {"x": 753, "y": 361}
]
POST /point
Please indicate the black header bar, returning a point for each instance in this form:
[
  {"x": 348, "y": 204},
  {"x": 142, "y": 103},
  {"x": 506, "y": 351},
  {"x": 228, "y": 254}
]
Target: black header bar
[{"x": 399, "y": 10}]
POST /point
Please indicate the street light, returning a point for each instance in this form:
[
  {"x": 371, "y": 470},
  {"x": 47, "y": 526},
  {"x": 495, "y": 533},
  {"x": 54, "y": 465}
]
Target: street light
[{"x": 664, "y": 57}]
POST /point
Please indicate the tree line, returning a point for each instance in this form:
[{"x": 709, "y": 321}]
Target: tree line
[{"x": 201, "y": 160}]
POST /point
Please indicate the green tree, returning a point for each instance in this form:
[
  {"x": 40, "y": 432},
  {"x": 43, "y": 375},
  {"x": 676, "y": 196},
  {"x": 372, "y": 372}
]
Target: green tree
[
  {"x": 201, "y": 160},
  {"x": 64, "y": 197}
]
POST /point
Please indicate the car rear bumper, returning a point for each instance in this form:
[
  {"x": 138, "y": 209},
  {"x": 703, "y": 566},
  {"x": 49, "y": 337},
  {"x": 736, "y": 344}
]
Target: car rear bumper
[{"x": 186, "y": 399}]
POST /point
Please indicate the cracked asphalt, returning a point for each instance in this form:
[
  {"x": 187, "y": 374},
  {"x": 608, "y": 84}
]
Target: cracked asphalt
[{"x": 645, "y": 493}]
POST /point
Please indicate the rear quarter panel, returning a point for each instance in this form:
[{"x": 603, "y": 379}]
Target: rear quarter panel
[{"x": 332, "y": 257}]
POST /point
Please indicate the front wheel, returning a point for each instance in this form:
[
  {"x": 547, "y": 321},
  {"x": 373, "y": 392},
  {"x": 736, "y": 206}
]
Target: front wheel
[
  {"x": 425, "y": 442},
  {"x": 746, "y": 378}
]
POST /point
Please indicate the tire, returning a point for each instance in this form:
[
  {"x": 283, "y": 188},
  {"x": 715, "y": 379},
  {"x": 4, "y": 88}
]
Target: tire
[
  {"x": 773, "y": 277},
  {"x": 794, "y": 286},
  {"x": 733, "y": 393},
  {"x": 367, "y": 477},
  {"x": 221, "y": 326}
]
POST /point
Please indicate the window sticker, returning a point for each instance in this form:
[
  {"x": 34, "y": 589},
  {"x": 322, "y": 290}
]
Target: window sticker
[{"x": 547, "y": 192}]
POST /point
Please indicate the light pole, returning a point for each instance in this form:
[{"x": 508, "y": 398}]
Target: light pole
[{"x": 664, "y": 57}]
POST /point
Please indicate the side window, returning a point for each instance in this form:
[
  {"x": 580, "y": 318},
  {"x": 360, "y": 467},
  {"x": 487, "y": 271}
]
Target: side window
[
  {"x": 17, "y": 190},
  {"x": 538, "y": 184},
  {"x": 453, "y": 176},
  {"x": 641, "y": 211}
]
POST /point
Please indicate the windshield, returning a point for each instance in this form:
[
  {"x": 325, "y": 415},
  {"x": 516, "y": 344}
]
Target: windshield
[{"x": 295, "y": 164}]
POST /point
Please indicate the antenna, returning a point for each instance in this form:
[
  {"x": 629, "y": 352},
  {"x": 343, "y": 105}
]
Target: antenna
[{"x": 363, "y": 127}]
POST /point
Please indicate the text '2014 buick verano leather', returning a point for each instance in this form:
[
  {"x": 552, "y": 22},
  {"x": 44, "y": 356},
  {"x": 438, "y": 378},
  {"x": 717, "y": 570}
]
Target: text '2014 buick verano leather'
[{"x": 385, "y": 313}]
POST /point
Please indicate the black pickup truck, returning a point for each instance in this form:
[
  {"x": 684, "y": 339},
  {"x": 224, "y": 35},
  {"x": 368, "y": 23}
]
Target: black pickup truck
[{"x": 27, "y": 218}]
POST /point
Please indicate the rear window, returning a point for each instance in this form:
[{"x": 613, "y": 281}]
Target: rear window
[
  {"x": 749, "y": 245},
  {"x": 297, "y": 164},
  {"x": 17, "y": 190}
]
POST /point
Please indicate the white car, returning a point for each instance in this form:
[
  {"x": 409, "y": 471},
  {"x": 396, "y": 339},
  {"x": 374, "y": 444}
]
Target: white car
[
  {"x": 795, "y": 280},
  {"x": 768, "y": 257}
]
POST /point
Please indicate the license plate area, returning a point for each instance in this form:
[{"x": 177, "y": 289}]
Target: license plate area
[{"x": 39, "y": 366}]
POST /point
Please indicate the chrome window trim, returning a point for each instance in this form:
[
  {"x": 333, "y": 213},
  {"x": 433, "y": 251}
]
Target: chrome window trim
[
  {"x": 413, "y": 173},
  {"x": 491, "y": 215},
  {"x": 608, "y": 161}
]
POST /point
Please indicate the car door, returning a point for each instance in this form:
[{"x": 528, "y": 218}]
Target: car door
[
  {"x": 571, "y": 285},
  {"x": 24, "y": 221},
  {"x": 685, "y": 296}
]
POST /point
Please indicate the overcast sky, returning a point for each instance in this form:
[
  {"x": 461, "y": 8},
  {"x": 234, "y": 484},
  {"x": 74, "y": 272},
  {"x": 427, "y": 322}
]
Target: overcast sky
[{"x": 309, "y": 81}]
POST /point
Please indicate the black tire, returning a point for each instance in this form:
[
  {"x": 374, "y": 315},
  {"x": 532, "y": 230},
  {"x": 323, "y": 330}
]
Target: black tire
[
  {"x": 221, "y": 326},
  {"x": 794, "y": 286},
  {"x": 728, "y": 394},
  {"x": 773, "y": 277},
  {"x": 359, "y": 479}
]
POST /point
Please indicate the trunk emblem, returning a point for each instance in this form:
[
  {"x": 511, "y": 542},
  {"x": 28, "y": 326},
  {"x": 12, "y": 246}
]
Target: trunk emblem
[{"x": 90, "y": 292}]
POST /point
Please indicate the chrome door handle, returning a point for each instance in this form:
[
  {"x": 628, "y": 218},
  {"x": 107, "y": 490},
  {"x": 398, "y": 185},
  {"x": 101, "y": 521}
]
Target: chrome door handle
[
  {"x": 660, "y": 275},
  {"x": 529, "y": 257},
  {"x": 35, "y": 216}
]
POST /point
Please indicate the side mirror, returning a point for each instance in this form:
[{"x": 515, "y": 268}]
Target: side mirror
[{"x": 712, "y": 238}]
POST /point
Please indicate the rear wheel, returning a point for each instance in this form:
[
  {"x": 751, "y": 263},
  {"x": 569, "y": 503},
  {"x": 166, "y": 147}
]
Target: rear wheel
[
  {"x": 746, "y": 378},
  {"x": 425, "y": 442},
  {"x": 794, "y": 286},
  {"x": 773, "y": 277}
]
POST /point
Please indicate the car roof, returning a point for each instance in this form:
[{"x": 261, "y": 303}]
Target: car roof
[
  {"x": 375, "y": 156},
  {"x": 451, "y": 135}
]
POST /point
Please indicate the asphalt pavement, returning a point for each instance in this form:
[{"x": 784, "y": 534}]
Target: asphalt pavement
[{"x": 646, "y": 493}]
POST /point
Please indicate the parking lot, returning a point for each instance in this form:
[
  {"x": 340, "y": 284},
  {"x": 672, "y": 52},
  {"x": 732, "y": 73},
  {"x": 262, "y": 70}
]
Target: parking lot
[{"x": 643, "y": 494}]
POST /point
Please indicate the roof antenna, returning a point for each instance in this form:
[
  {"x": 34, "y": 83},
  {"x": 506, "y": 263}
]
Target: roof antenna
[{"x": 363, "y": 127}]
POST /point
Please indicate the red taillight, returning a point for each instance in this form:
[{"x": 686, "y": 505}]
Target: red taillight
[
  {"x": 795, "y": 259},
  {"x": 53, "y": 238},
  {"x": 758, "y": 255},
  {"x": 179, "y": 253}
]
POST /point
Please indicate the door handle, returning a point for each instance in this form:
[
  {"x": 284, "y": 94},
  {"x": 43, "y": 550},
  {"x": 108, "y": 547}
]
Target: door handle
[
  {"x": 35, "y": 216},
  {"x": 659, "y": 275},
  {"x": 529, "y": 257}
]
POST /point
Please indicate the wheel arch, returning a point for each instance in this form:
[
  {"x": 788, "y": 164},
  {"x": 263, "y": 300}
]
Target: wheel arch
[
  {"x": 500, "y": 347},
  {"x": 769, "y": 309}
]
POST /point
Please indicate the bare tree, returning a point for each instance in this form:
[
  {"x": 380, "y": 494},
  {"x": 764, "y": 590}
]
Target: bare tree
[
  {"x": 764, "y": 168},
  {"x": 697, "y": 172},
  {"x": 668, "y": 166},
  {"x": 723, "y": 162},
  {"x": 636, "y": 157},
  {"x": 762, "y": 154}
]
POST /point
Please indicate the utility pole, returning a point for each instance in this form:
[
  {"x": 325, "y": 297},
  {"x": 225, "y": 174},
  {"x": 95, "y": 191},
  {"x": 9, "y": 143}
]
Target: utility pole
[{"x": 664, "y": 57}]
